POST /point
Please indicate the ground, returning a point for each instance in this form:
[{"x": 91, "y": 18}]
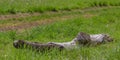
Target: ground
[{"x": 60, "y": 24}]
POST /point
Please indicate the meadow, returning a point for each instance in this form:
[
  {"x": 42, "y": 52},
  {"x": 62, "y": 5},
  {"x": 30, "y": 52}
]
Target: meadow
[
  {"x": 22, "y": 6},
  {"x": 59, "y": 21}
]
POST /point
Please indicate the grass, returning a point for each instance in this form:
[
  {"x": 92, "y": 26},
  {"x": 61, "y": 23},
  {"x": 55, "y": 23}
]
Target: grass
[
  {"x": 89, "y": 21},
  {"x": 22, "y": 6},
  {"x": 93, "y": 22}
]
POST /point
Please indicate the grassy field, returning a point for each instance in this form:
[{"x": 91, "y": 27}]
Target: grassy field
[
  {"x": 92, "y": 17},
  {"x": 14, "y": 6}
]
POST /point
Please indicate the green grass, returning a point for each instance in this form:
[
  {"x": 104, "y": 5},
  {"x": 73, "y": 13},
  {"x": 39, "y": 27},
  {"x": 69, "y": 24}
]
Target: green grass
[
  {"x": 15, "y": 6},
  {"x": 102, "y": 21}
]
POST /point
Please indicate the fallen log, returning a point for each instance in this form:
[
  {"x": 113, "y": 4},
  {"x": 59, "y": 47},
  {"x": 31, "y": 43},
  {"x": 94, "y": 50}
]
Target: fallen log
[
  {"x": 36, "y": 46},
  {"x": 81, "y": 39}
]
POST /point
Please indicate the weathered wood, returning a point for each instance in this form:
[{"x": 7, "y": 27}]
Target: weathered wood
[{"x": 36, "y": 46}]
